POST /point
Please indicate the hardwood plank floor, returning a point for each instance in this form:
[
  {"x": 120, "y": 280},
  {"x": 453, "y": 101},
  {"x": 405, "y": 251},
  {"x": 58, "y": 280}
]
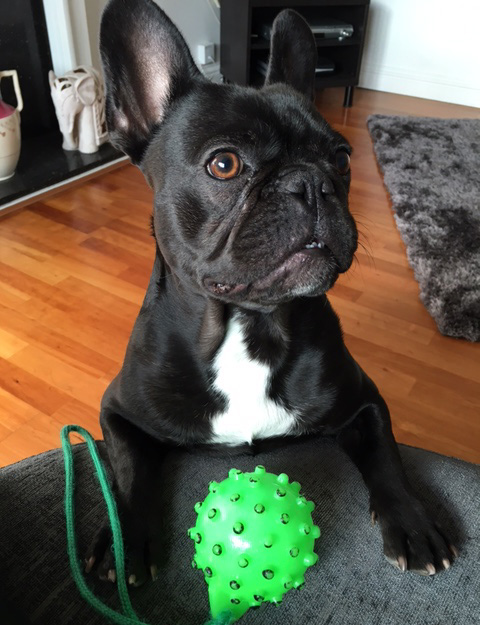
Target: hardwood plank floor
[{"x": 74, "y": 267}]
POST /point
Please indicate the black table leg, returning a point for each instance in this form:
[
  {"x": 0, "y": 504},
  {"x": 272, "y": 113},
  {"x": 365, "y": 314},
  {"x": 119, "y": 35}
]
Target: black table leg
[{"x": 348, "y": 99}]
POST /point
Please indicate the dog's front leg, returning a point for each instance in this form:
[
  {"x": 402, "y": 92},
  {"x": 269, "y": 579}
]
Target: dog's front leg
[
  {"x": 135, "y": 459},
  {"x": 411, "y": 538}
]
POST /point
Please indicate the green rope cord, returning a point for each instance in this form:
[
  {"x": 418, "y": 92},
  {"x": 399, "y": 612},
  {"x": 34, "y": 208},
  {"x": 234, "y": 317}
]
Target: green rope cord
[{"x": 128, "y": 617}]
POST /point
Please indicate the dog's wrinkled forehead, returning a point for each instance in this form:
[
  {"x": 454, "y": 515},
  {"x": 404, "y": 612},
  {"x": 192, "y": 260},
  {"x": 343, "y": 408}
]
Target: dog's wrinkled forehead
[{"x": 272, "y": 124}]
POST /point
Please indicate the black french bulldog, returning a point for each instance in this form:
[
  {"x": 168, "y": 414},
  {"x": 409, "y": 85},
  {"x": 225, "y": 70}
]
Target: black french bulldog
[{"x": 236, "y": 341}]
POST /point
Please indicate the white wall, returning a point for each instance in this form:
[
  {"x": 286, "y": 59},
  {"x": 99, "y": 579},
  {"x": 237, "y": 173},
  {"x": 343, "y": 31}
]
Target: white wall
[
  {"x": 195, "y": 19},
  {"x": 94, "y": 10},
  {"x": 73, "y": 27},
  {"x": 60, "y": 35},
  {"x": 424, "y": 48},
  {"x": 198, "y": 22}
]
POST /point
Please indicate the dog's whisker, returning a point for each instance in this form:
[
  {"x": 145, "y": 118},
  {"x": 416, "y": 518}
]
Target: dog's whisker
[{"x": 368, "y": 254}]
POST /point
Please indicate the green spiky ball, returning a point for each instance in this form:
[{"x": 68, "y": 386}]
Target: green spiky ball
[{"x": 254, "y": 540}]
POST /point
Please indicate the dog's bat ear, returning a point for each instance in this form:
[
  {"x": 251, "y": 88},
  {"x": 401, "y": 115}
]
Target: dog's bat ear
[
  {"x": 147, "y": 66},
  {"x": 293, "y": 53}
]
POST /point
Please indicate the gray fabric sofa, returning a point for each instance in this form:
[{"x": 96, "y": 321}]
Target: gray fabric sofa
[{"x": 352, "y": 584}]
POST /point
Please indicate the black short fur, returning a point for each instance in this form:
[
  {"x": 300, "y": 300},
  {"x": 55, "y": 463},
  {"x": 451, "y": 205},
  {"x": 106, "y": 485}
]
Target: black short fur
[{"x": 235, "y": 247}]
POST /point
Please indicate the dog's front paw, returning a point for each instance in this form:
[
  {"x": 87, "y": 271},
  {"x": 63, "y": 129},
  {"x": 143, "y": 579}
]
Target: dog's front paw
[
  {"x": 412, "y": 540},
  {"x": 141, "y": 558}
]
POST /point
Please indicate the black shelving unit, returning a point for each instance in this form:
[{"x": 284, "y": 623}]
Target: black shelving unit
[
  {"x": 242, "y": 45},
  {"x": 43, "y": 163}
]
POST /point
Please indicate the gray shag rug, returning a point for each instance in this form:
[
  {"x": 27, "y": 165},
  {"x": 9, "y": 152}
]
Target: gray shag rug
[
  {"x": 431, "y": 169},
  {"x": 352, "y": 584}
]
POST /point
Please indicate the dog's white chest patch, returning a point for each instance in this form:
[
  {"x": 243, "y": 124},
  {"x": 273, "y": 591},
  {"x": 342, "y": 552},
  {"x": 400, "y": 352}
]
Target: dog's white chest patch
[{"x": 245, "y": 382}]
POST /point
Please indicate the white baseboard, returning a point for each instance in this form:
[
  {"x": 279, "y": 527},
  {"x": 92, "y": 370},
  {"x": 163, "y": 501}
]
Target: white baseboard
[{"x": 432, "y": 87}]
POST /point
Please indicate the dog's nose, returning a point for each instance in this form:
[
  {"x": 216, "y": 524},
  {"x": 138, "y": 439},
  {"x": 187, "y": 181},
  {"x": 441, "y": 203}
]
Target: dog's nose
[
  {"x": 295, "y": 185},
  {"x": 313, "y": 189},
  {"x": 327, "y": 187}
]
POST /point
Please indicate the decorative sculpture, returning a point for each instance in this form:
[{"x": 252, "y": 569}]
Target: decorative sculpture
[{"x": 79, "y": 99}]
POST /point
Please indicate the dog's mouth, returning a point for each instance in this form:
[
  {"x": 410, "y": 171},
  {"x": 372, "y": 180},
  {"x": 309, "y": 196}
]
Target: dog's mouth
[
  {"x": 312, "y": 253},
  {"x": 315, "y": 245}
]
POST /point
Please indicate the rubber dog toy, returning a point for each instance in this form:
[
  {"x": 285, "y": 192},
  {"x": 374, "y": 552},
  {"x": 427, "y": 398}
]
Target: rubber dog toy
[{"x": 254, "y": 540}]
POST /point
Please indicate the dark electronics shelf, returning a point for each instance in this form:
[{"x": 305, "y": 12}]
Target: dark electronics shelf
[
  {"x": 262, "y": 44},
  {"x": 242, "y": 44}
]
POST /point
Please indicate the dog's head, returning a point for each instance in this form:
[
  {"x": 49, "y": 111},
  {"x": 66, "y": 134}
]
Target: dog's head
[{"x": 250, "y": 184}]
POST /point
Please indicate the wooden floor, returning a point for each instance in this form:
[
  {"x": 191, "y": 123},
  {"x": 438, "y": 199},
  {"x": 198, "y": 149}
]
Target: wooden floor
[{"x": 73, "y": 269}]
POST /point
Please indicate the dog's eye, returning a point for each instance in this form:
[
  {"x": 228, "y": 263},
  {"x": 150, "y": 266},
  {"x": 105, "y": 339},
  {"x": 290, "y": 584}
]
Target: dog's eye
[
  {"x": 224, "y": 166},
  {"x": 342, "y": 162}
]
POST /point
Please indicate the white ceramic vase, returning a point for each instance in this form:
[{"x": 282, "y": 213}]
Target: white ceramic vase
[{"x": 10, "y": 137}]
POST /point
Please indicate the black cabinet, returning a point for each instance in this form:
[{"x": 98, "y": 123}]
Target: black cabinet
[{"x": 244, "y": 47}]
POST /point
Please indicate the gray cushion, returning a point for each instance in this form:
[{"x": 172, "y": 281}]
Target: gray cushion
[{"x": 351, "y": 585}]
